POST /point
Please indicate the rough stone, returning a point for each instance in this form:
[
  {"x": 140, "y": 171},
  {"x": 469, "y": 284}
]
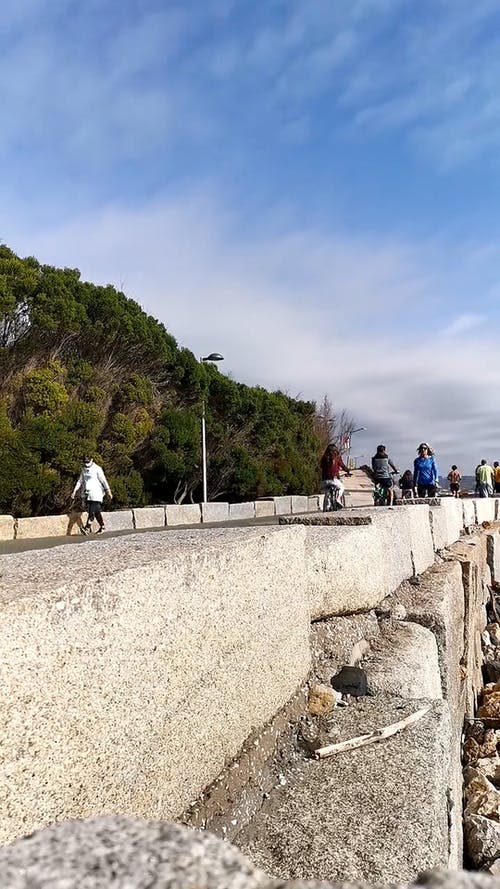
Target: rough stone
[
  {"x": 377, "y": 813},
  {"x": 242, "y": 510},
  {"x": 341, "y": 640},
  {"x": 182, "y": 513},
  {"x": 6, "y": 527},
  {"x": 43, "y": 526},
  {"x": 482, "y": 836},
  {"x": 264, "y": 508},
  {"x": 140, "y": 674},
  {"x": 149, "y": 517},
  {"x": 403, "y": 660},
  {"x": 116, "y": 851},
  {"x": 102, "y": 853},
  {"x": 339, "y": 518},
  {"x": 321, "y": 700},
  {"x": 481, "y": 796},
  {"x": 214, "y": 512}
]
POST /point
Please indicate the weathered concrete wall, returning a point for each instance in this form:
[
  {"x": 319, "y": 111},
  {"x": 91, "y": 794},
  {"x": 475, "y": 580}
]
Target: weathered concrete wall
[
  {"x": 132, "y": 668},
  {"x": 142, "y": 663}
]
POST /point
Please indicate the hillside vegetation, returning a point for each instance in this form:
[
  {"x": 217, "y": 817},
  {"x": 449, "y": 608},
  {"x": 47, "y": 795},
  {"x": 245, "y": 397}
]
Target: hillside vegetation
[{"x": 83, "y": 369}]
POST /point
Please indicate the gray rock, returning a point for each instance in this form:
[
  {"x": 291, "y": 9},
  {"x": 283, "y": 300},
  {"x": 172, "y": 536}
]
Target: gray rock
[
  {"x": 483, "y": 839},
  {"x": 124, "y": 853}
]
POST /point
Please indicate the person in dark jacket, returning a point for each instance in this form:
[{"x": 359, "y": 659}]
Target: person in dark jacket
[
  {"x": 331, "y": 464},
  {"x": 382, "y": 467},
  {"x": 425, "y": 472}
]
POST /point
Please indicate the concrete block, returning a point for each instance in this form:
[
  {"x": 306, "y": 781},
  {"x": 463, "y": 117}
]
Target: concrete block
[
  {"x": 183, "y": 513},
  {"x": 403, "y": 661},
  {"x": 282, "y": 505},
  {"x": 353, "y": 568},
  {"x": 6, "y": 527},
  {"x": 469, "y": 512},
  {"x": 309, "y": 833},
  {"x": 313, "y": 503},
  {"x": 485, "y": 509},
  {"x": 149, "y": 517},
  {"x": 299, "y": 503},
  {"x": 421, "y": 543},
  {"x": 214, "y": 512},
  {"x": 264, "y": 508},
  {"x": 127, "y": 690},
  {"x": 241, "y": 511},
  {"x": 120, "y": 520},
  {"x": 452, "y": 510},
  {"x": 39, "y": 527},
  {"x": 493, "y": 554}
]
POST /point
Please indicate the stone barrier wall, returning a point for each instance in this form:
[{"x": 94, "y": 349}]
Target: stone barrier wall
[{"x": 134, "y": 668}]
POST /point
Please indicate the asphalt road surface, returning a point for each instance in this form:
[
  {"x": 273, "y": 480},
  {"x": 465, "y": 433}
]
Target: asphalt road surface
[{"x": 21, "y": 546}]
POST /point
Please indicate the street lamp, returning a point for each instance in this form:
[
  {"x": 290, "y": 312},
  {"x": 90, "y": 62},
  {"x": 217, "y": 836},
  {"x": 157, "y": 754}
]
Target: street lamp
[
  {"x": 214, "y": 356},
  {"x": 348, "y": 449}
]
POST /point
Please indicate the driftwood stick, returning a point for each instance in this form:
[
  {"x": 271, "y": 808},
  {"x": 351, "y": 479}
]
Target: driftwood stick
[{"x": 371, "y": 738}]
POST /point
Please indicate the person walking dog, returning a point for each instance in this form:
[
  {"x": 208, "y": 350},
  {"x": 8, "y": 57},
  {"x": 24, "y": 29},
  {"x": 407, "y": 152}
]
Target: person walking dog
[{"x": 93, "y": 485}]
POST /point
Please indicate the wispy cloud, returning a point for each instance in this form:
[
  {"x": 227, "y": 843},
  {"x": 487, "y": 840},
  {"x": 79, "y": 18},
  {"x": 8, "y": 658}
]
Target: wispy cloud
[{"x": 463, "y": 323}]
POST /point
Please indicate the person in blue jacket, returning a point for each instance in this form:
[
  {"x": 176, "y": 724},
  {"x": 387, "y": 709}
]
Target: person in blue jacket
[{"x": 425, "y": 472}]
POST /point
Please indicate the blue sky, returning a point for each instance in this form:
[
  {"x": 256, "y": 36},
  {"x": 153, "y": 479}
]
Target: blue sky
[{"x": 311, "y": 188}]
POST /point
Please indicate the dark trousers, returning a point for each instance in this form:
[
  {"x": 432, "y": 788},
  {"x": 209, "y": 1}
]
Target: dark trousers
[
  {"x": 94, "y": 510},
  {"x": 426, "y": 490}
]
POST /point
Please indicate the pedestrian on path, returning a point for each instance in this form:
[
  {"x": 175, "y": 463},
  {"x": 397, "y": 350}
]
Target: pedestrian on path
[
  {"x": 93, "y": 485},
  {"x": 425, "y": 471},
  {"x": 454, "y": 479},
  {"x": 485, "y": 479},
  {"x": 496, "y": 467}
]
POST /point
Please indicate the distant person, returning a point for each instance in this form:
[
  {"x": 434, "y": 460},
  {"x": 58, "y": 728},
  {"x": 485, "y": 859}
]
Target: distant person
[
  {"x": 485, "y": 479},
  {"x": 496, "y": 467},
  {"x": 382, "y": 468},
  {"x": 425, "y": 472},
  {"x": 454, "y": 479},
  {"x": 331, "y": 464},
  {"x": 476, "y": 479},
  {"x": 406, "y": 485},
  {"x": 93, "y": 485}
]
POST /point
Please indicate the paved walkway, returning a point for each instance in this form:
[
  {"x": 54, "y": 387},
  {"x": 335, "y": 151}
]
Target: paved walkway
[{"x": 20, "y": 546}]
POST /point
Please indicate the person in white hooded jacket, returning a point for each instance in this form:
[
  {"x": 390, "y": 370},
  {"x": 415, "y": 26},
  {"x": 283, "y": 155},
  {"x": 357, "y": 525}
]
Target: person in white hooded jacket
[{"x": 93, "y": 485}]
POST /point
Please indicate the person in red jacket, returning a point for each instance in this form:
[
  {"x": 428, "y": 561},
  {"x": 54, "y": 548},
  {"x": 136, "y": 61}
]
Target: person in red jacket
[{"x": 331, "y": 464}]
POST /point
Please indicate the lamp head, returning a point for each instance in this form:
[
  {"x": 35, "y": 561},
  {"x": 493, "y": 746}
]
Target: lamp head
[{"x": 214, "y": 356}]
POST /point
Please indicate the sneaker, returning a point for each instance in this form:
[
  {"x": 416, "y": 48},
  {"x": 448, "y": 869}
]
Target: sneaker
[
  {"x": 85, "y": 530},
  {"x": 101, "y": 529}
]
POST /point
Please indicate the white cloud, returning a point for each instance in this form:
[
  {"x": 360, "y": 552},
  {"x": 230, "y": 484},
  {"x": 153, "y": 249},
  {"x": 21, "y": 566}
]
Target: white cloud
[
  {"x": 463, "y": 324},
  {"x": 303, "y": 311}
]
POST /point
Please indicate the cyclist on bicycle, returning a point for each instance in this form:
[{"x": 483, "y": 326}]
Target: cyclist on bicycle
[
  {"x": 331, "y": 464},
  {"x": 383, "y": 467}
]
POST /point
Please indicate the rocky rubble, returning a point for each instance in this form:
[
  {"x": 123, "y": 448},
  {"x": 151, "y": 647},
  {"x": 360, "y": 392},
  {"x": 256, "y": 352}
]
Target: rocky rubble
[{"x": 482, "y": 760}]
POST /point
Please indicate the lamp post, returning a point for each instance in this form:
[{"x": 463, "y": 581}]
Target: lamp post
[
  {"x": 214, "y": 356},
  {"x": 353, "y": 431}
]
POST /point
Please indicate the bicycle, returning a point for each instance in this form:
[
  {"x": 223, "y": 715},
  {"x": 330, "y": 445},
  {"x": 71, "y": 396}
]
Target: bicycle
[
  {"x": 382, "y": 494},
  {"x": 332, "y": 501}
]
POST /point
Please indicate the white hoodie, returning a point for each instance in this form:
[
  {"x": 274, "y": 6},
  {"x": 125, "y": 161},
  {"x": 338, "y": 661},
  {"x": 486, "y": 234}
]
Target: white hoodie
[{"x": 94, "y": 483}]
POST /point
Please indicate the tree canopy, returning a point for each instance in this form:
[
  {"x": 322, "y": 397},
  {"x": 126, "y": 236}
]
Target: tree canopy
[{"x": 83, "y": 369}]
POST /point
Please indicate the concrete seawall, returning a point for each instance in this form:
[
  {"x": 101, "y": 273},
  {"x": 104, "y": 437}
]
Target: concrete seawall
[{"x": 134, "y": 669}]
